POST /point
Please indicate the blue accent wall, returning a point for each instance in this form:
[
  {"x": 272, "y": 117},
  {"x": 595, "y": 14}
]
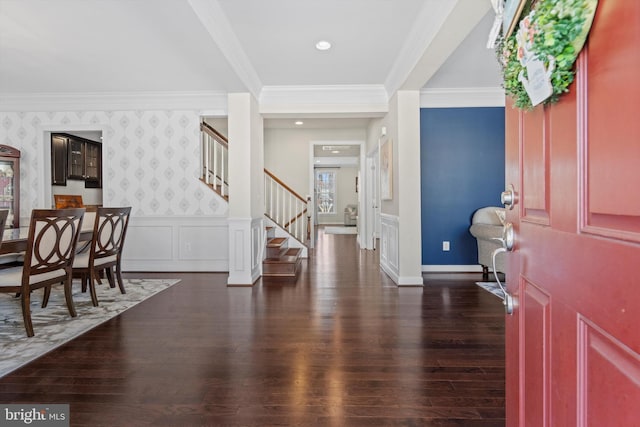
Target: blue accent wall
[{"x": 462, "y": 169}]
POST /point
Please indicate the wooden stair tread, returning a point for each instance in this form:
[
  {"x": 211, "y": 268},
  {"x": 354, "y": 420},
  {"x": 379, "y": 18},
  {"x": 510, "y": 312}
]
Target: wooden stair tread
[
  {"x": 290, "y": 256},
  {"x": 276, "y": 242}
]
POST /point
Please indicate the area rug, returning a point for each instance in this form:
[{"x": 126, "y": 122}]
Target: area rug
[
  {"x": 492, "y": 287},
  {"x": 340, "y": 230},
  {"x": 54, "y": 326}
]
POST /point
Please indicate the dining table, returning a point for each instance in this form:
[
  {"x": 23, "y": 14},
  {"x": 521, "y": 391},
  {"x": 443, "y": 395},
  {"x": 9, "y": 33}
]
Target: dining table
[{"x": 14, "y": 240}]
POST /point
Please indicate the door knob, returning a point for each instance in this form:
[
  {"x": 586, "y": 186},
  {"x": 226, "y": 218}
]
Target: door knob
[
  {"x": 508, "y": 243},
  {"x": 508, "y": 197},
  {"x": 508, "y": 236}
]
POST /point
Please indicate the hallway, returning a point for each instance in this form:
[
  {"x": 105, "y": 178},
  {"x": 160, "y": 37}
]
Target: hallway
[{"x": 341, "y": 347}]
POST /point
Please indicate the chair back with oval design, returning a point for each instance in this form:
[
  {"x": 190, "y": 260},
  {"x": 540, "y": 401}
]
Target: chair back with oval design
[
  {"x": 105, "y": 253},
  {"x": 51, "y": 244}
]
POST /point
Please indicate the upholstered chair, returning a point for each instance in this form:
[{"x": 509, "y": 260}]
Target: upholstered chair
[{"x": 486, "y": 226}]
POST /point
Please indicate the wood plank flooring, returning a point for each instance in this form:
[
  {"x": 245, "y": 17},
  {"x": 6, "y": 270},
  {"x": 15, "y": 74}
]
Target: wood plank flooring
[{"x": 342, "y": 346}]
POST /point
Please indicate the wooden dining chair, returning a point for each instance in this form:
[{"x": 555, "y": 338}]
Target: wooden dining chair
[
  {"x": 105, "y": 252},
  {"x": 65, "y": 201},
  {"x": 53, "y": 234}
]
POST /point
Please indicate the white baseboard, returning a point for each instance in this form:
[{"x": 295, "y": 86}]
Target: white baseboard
[
  {"x": 452, "y": 268},
  {"x": 410, "y": 281}
]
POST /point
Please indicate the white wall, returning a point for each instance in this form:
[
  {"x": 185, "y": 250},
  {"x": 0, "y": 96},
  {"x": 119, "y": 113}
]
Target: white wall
[
  {"x": 286, "y": 152},
  {"x": 401, "y": 220},
  {"x": 390, "y": 122},
  {"x": 409, "y": 201},
  {"x": 246, "y": 185}
]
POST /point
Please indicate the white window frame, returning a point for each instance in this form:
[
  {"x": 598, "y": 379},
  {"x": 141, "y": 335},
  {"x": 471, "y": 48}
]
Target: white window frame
[{"x": 332, "y": 190}]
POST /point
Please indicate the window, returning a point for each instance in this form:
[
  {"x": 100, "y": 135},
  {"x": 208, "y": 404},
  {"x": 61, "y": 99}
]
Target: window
[{"x": 326, "y": 191}]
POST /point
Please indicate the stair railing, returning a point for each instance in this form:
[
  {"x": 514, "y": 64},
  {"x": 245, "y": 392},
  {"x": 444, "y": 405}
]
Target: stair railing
[
  {"x": 215, "y": 159},
  {"x": 282, "y": 204},
  {"x": 285, "y": 207}
]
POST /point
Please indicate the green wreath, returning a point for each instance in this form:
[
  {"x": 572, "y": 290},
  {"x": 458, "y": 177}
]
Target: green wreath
[{"x": 556, "y": 31}]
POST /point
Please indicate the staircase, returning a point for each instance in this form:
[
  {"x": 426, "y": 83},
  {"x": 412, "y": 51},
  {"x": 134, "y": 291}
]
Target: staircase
[
  {"x": 281, "y": 261},
  {"x": 283, "y": 207},
  {"x": 215, "y": 159}
]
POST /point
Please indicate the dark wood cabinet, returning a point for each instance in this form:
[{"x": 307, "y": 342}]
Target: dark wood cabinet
[
  {"x": 75, "y": 150},
  {"x": 10, "y": 184},
  {"x": 58, "y": 160},
  {"x": 73, "y": 157},
  {"x": 93, "y": 165}
]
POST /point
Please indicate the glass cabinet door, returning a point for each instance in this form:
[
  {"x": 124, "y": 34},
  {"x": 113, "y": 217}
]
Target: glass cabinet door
[
  {"x": 76, "y": 159},
  {"x": 10, "y": 184}
]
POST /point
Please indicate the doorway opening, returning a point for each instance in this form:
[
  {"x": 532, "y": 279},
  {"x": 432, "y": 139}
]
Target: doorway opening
[
  {"x": 336, "y": 183},
  {"x": 75, "y": 166}
]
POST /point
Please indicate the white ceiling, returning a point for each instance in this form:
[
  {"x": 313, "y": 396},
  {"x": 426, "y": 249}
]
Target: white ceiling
[{"x": 124, "y": 46}]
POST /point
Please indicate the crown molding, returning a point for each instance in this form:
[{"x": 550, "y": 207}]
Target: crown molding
[
  {"x": 422, "y": 33},
  {"x": 462, "y": 97},
  {"x": 365, "y": 100},
  {"x": 217, "y": 25},
  {"x": 204, "y": 100}
]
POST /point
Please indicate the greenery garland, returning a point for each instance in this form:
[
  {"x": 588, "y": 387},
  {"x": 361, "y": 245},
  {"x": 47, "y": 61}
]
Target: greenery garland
[{"x": 556, "y": 29}]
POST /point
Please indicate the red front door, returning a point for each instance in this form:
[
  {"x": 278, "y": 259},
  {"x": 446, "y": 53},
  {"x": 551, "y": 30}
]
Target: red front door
[{"x": 573, "y": 342}]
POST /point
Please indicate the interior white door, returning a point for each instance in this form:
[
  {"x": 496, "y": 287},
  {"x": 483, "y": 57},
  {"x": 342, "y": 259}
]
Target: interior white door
[{"x": 373, "y": 199}]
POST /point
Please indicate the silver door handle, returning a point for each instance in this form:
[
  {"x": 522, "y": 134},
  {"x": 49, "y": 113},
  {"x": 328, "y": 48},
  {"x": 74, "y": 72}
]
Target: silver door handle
[
  {"x": 508, "y": 236},
  {"x": 509, "y": 197},
  {"x": 508, "y": 244}
]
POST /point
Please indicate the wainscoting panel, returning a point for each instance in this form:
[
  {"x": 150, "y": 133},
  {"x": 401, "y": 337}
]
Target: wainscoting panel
[
  {"x": 176, "y": 243},
  {"x": 257, "y": 246},
  {"x": 246, "y": 266},
  {"x": 389, "y": 253},
  {"x": 153, "y": 242},
  {"x": 203, "y": 243}
]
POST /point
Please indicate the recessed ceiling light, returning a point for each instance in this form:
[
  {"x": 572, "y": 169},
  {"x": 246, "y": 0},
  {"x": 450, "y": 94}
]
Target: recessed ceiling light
[
  {"x": 323, "y": 45},
  {"x": 299, "y": 123},
  {"x": 335, "y": 151}
]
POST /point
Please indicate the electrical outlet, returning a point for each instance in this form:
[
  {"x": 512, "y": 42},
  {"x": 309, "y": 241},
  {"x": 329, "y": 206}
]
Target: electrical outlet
[{"x": 445, "y": 245}]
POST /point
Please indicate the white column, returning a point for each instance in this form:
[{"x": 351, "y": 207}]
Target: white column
[
  {"x": 246, "y": 188},
  {"x": 409, "y": 207}
]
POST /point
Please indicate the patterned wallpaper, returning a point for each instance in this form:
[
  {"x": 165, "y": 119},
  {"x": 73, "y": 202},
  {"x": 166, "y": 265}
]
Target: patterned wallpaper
[{"x": 150, "y": 159}]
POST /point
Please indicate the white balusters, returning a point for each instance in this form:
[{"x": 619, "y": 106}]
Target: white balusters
[
  {"x": 214, "y": 159},
  {"x": 285, "y": 207},
  {"x": 282, "y": 204}
]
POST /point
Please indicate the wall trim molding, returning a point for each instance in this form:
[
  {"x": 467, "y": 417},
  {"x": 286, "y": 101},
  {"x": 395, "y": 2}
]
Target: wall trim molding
[
  {"x": 452, "y": 268},
  {"x": 410, "y": 281},
  {"x": 462, "y": 97},
  {"x": 245, "y": 238},
  {"x": 421, "y": 35},
  {"x": 210, "y": 101},
  {"x": 357, "y": 100},
  {"x": 389, "y": 246},
  {"x": 217, "y": 25}
]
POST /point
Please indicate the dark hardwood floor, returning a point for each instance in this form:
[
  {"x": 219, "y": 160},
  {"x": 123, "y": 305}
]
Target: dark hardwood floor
[{"x": 342, "y": 346}]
